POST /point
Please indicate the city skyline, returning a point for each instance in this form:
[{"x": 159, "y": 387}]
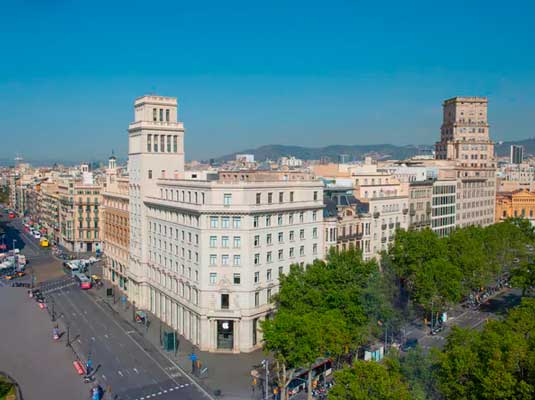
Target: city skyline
[{"x": 302, "y": 74}]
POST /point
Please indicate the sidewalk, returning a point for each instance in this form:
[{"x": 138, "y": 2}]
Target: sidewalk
[{"x": 228, "y": 373}]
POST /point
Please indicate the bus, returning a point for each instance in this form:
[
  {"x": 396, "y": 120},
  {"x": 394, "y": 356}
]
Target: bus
[
  {"x": 70, "y": 268},
  {"x": 83, "y": 281},
  {"x": 320, "y": 371}
]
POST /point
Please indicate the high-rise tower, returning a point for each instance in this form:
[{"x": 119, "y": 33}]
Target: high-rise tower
[
  {"x": 465, "y": 140},
  {"x": 155, "y": 151}
]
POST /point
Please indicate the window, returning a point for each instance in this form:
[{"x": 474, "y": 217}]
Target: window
[
  {"x": 302, "y": 251},
  {"x": 269, "y": 295},
  {"x": 314, "y": 248},
  {"x": 213, "y": 259},
  {"x": 281, "y": 197},
  {"x": 279, "y": 219},
  {"x": 281, "y": 254},
  {"x": 162, "y": 142},
  {"x": 314, "y": 233},
  {"x": 236, "y": 222},
  {"x": 155, "y": 143},
  {"x": 227, "y": 199},
  {"x": 314, "y": 216},
  {"x": 149, "y": 143},
  {"x": 154, "y": 116},
  {"x": 257, "y": 299},
  {"x": 236, "y": 279},
  {"x": 292, "y": 252},
  {"x": 301, "y": 216},
  {"x": 291, "y": 236},
  {"x": 268, "y": 220},
  {"x": 269, "y": 256},
  {"x": 290, "y": 219},
  {"x": 301, "y": 234},
  {"x": 268, "y": 239},
  {"x": 150, "y": 173},
  {"x": 175, "y": 144},
  {"x": 291, "y": 196},
  {"x": 224, "y": 259},
  {"x": 258, "y": 198},
  {"x": 256, "y": 277},
  {"x": 315, "y": 196},
  {"x": 213, "y": 222},
  {"x": 256, "y": 241},
  {"x": 224, "y": 241},
  {"x": 281, "y": 237},
  {"x": 256, "y": 259},
  {"x": 255, "y": 222},
  {"x": 270, "y": 198},
  {"x": 213, "y": 278},
  {"x": 225, "y": 222},
  {"x": 237, "y": 260},
  {"x": 169, "y": 144},
  {"x": 237, "y": 242},
  {"x": 281, "y": 271},
  {"x": 167, "y": 115},
  {"x": 268, "y": 275}
]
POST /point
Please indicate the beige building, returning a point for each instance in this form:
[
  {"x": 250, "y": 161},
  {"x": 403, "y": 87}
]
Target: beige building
[
  {"x": 465, "y": 140},
  {"x": 207, "y": 248},
  {"x": 116, "y": 230},
  {"x": 49, "y": 210},
  {"x": 80, "y": 215},
  {"x": 420, "y": 198}
]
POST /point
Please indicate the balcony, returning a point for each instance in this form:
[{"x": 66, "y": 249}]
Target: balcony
[
  {"x": 376, "y": 214},
  {"x": 405, "y": 211},
  {"x": 413, "y": 212},
  {"x": 383, "y": 227}
]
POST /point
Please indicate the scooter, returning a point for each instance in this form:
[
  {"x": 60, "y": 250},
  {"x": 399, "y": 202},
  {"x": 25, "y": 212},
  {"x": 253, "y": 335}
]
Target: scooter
[{"x": 55, "y": 334}]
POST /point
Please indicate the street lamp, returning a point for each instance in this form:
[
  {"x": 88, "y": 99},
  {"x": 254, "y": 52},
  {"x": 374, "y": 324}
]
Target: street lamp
[
  {"x": 265, "y": 364},
  {"x": 14, "y": 241}
]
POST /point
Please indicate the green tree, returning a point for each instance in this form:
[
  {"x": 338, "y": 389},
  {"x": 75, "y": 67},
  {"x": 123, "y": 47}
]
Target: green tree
[
  {"x": 523, "y": 276},
  {"x": 497, "y": 363},
  {"x": 369, "y": 380}
]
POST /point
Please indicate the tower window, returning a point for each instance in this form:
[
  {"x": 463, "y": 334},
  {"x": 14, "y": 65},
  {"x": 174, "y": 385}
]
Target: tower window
[
  {"x": 175, "y": 144},
  {"x": 149, "y": 143},
  {"x": 167, "y": 115},
  {"x": 155, "y": 143},
  {"x": 162, "y": 143},
  {"x": 161, "y": 114},
  {"x": 150, "y": 173},
  {"x": 154, "y": 114},
  {"x": 169, "y": 143}
]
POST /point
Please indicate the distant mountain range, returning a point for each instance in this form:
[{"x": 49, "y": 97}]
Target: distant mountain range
[
  {"x": 354, "y": 152},
  {"x": 358, "y": 152}
]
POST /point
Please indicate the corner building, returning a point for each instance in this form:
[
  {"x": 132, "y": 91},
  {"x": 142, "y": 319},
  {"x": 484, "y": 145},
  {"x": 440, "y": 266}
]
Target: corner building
[
  {"x": 465, "y": 140},
  {"x": 209, "y": 248}
]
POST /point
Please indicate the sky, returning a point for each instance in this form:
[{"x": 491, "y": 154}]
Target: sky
[{"x": 250, "y": 73}]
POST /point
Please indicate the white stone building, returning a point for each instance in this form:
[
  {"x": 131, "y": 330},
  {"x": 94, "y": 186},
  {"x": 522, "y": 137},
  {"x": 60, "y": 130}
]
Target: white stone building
[{"x": 208, "y": 250}]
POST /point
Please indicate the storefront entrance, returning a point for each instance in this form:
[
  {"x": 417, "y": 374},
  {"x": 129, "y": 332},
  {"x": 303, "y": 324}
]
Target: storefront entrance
[{"x": 225, "y": 335}]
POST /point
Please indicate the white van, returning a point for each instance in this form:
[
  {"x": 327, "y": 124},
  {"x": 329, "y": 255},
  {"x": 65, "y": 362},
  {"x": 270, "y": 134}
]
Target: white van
[{"x": 37, "y": 235}]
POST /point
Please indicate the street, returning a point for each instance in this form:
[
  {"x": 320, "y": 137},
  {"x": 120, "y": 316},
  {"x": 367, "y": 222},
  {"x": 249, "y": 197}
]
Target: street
[{"x": 124, "y": 362}]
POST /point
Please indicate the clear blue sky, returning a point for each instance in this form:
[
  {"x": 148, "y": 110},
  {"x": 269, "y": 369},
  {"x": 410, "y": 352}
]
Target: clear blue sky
[{"x": 248, "y": 73}]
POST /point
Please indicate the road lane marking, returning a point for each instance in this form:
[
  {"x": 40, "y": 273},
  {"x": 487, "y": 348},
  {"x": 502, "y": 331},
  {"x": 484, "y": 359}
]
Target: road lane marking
[
  {"x": 136, "y": 371},
  {"x": 120, "y": 373},
  {"x": 199, "y": 387}
]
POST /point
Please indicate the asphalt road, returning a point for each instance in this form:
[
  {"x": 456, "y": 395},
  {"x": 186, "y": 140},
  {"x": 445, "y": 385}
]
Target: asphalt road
[{"x": 123, "y": 359}]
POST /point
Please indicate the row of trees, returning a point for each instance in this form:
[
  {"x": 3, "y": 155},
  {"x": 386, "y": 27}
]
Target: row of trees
[
  {"x": 496, "y": 363},
  {"x": 437, "y": 272},
  {"x": 331, "y": 308}
]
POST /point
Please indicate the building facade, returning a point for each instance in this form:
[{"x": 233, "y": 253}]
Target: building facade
[
  {"x": 465, "y": 139},
  {"x": 517, "y": 204},
  {"x": 80, "y": 215},
  {"x": 420, "y": 198},
  {"x": 207, "y": 249},
  {"x": 517, "y": 154},
  {"x": 116, "y": 231}
]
